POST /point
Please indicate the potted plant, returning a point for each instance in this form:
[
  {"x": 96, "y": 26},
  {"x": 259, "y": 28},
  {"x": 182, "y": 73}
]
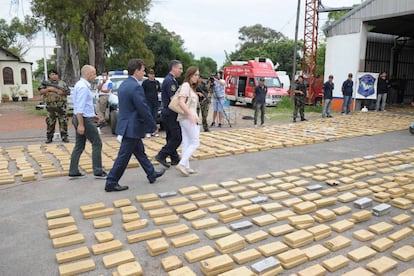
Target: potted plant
[
  {"x": 23, "y": 95},
  {"x": 5, "y": 98},
  {"x": 14, "y": 91}
]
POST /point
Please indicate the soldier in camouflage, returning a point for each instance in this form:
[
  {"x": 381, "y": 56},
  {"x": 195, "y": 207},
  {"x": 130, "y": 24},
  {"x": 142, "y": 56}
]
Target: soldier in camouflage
[
  {"x": 54, "y": 95},
  {"x": 204, "y": 93},
  {"x": 300, "y": 97}
]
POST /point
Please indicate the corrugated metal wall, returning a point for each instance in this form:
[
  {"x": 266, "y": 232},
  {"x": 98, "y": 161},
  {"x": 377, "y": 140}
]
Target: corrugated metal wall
[
  {"x": 378, "y": 59},
  {"x": 368, "y": 10}
]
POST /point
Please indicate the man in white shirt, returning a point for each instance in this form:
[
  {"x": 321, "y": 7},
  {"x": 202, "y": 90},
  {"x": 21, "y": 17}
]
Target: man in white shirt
[{"x": 104, "y": 88}]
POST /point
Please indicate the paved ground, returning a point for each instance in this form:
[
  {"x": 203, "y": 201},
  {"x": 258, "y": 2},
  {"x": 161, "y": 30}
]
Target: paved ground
[{"x": 27, "y": 249}]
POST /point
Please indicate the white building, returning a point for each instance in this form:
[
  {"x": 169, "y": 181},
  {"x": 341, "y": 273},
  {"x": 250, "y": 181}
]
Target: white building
[
  {"x": 376, "y": 36},
  {"x": 14, "y": 71}
]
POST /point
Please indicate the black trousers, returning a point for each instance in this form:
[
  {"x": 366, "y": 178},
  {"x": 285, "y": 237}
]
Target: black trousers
[{"x": 173, "y": 132}]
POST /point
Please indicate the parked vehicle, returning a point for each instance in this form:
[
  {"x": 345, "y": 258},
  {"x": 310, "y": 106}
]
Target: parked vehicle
[
  {"x": 243, "y": 76},
  {"x": 117, "y": 77}
]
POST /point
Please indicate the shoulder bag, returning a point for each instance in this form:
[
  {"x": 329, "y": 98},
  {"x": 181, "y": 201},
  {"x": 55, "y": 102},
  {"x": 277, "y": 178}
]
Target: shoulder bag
[{"x": 174, "y": 103}]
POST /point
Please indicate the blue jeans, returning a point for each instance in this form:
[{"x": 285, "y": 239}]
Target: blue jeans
[
  {"x": 346, "y": 104},
  {"x": 326, "y": 107},
  {"x": 261, "y": 107},
  {"x": 91, "y": 133}
]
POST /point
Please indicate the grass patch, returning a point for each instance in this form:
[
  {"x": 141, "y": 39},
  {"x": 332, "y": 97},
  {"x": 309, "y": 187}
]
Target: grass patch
[{"x": 284, "y": 110}]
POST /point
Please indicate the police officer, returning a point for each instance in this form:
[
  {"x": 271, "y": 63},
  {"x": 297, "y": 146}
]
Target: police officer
[
  {"x": 300, "y": 97},
  {"x": 54, "y": 94},
  {"x": 169, "y": 117},
  {"x": 204, "y": 98},
  {"x": 151, "y": 88}
]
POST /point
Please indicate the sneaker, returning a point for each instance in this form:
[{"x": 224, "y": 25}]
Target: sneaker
[
  {"x": 262, "y": 125},
  {"x": 102, "y": 175},
  {"x": 182, "y": 170},
  {"x": 294, "y": 120},
  {"x": 255, "y": 126},
  {"x": 76, "y": 176},
  {"x": 156, "y": 135},
  {"x": 329, "y": 116},
  {"x": 148, "y": 135}
]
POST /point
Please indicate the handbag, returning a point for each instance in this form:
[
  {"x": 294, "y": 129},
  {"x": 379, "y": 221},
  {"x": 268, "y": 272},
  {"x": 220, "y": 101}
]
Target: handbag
[{"x": 174, "y": 104}]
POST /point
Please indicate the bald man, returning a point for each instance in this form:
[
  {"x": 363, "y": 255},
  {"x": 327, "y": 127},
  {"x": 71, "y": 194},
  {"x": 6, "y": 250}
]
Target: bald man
[{"x": 83, "y": 120}]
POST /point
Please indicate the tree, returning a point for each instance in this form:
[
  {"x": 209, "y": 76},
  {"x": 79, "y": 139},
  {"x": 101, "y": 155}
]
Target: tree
[
  {"x": 17, "y": 35},
  {"x": 165, "y": 47},
  {"x": 257, "y": 36},
  {"x": 78, "y": 22},
  {"x": 320, "y": 60},
  {"x": 253, "y": 39},
  {"x": 207, "y": 66}
]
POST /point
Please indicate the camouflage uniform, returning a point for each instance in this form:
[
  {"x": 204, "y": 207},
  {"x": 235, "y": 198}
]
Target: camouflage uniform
[
  {"x": 204, "y": 103},
  {"x": 300, "y": 101},
  {"x": 56, "y": 109}
]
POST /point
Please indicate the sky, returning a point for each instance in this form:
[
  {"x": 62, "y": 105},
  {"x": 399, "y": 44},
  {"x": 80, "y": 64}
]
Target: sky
[{"x": 208, "y": 27}]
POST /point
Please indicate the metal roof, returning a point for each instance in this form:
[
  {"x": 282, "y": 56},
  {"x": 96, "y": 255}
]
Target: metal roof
[{"x": 383, "y": 16}]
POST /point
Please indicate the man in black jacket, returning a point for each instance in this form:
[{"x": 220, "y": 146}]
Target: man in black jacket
[
  {"x": 328, "y": 88},
  {"x": 383, "y": 86}
]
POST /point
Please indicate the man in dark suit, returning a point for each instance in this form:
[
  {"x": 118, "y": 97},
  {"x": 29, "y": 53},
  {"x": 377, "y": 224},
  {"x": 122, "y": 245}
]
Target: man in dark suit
[{"x": 133, "y": 118}]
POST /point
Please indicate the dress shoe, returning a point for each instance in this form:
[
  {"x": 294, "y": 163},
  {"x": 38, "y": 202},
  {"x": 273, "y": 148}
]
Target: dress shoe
[
  {"x": 157, "y": 174},
  {"x": 175, "y": 162},
  {"x": 48, "y": 141},
  {"x": 116, "y": 188},
  {"x": 65, "y": 140},
  {"x": 162, "y": 161},
  {"x": 182, "y": 170},
  {"x": 102, "y": 175},
  {"x": 76, "y": 176}
]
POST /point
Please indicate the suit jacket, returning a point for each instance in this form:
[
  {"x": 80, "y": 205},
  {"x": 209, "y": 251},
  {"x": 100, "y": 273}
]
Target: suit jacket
[{"x": 134, "y": 115}]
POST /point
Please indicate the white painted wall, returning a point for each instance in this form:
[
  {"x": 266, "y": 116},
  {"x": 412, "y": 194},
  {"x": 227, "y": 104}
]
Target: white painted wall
[
  {"x": 342, "y": 57},
  {"x": 17, "y": 66}
]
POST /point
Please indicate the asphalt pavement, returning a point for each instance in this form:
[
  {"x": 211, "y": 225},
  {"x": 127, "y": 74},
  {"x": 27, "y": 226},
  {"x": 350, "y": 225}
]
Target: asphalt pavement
[{"x": 26, "y": 249}]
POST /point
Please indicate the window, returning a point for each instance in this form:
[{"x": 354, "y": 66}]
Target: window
[
  {"x": 251, "y": 82},
  {"x": 8, "y": 75},
  {"x": 23, "y": 74}
]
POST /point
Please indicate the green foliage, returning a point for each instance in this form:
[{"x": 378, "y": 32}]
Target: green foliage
[
  {"x": 320, "y": 60},
  {"x": 259, "y": 41},
  {"x": 207, "y": 66},
  {"x": 35, "y": 85},
  {"x": 285, "y": 103},
  {"x": 17, "y": 35},
  {"x": 165, "y": 47}
]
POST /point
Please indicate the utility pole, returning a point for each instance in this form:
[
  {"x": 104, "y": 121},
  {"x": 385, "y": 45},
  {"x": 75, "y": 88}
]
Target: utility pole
[
  {"x": 44, "y": 46},
  {"x": 295, "y": 52}
]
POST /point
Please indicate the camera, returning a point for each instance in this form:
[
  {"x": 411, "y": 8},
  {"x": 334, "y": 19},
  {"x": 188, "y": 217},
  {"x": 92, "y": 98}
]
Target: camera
[{"x": 210, "y": 80}]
